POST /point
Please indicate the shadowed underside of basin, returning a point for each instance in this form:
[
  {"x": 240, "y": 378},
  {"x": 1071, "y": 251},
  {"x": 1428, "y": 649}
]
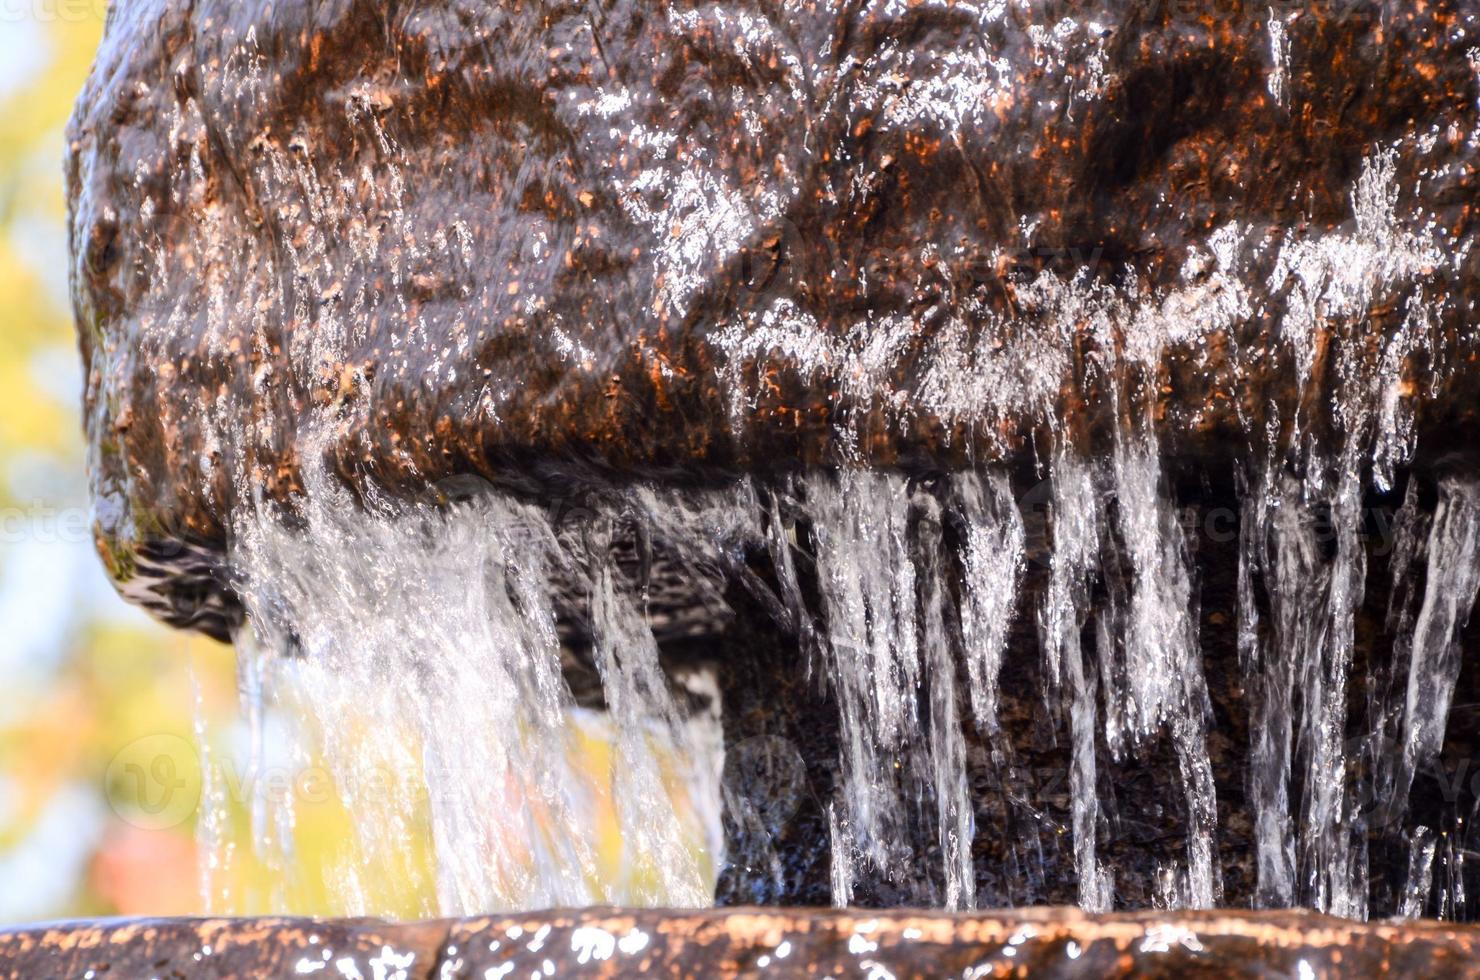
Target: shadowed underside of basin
[{"x": 608, "y": 942}]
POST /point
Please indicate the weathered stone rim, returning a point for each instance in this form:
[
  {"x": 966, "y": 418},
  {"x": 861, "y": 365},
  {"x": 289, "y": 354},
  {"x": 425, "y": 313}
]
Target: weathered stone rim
[{"x": 607, "y": 941}]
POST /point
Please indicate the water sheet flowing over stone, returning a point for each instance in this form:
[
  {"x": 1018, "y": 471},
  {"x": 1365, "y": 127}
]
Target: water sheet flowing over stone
[
  {"x": 993, "y": 411},
  {"x": 1452, "y": 579},
  {"x": 451, "y": 697}
]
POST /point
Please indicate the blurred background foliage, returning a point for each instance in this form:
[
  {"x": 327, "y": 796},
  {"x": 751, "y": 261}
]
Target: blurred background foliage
[
  {"x": 86, "y": 676},
  {"x": 100, "y": 705}
]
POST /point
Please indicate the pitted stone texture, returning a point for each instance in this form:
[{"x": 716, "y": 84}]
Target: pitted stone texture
[
  {"x": 747, "y": 942},
  {"x": 220, "y": 948},
  {"x": 541, "y": 242}
]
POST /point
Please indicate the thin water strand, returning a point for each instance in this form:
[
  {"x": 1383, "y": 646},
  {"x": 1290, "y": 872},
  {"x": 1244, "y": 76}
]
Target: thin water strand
[{"x": 1451, "y": 585}]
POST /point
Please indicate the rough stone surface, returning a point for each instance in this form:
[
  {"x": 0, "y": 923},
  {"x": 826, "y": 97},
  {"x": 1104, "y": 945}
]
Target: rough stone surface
[
  {"x": 529, "y": 241},
  {"x": 553, "y": 247},
  {"x": 745, "y": 942}
]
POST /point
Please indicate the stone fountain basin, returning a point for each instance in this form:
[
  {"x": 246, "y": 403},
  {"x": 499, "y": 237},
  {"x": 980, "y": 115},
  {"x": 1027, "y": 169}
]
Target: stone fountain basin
[
  {"x": 547, "y": 252},
  {"x": 452, "y": 242},
  {"x": 1038, "y": 942}
]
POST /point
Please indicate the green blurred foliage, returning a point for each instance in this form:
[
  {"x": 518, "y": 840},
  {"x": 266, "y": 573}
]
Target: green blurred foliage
[{"x": 91, "y": 676}]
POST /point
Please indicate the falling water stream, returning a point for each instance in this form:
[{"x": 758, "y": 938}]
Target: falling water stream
[
  {"x": 416, "y": 649},
  {"x": 421, "y": 648}
]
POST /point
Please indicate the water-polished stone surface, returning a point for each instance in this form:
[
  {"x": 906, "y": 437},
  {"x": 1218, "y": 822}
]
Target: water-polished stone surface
[
  {"x": 528, "y": 241},
  {"x": 751, "y": 942}
]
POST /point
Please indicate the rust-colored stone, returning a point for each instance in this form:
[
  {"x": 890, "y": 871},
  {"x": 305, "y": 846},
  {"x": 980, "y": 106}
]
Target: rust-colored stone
[
  {"x": 517, "y": 233},
  {"x": 1037, "y": 942}
]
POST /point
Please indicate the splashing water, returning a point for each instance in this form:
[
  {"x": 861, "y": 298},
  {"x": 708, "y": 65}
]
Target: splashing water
[
  {"x": 1314, "y": 599},
  {"x": 1420, "y": 874},
  {"x": 1076, "y": 524},
  {"x": 417, "y": 651},
  {"x": 422, "y": 650},
  {"x": 992, "y": 553}
]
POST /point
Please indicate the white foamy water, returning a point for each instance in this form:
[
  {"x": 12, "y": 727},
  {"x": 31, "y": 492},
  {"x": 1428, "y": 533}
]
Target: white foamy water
[
  {"x": 1146, "y": 660},
  {"x": 1314, "y": 586},
  {"x": 992, "y": 559},
  {"x": 416, "y": 650}
]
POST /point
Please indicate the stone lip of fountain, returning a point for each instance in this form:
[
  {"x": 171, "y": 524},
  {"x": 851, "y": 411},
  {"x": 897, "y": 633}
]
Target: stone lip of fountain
[
  {"x": 495, "y": 243},
  {"x": 1038, "y": 942},
  {"x": 447, "y": 231}
]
